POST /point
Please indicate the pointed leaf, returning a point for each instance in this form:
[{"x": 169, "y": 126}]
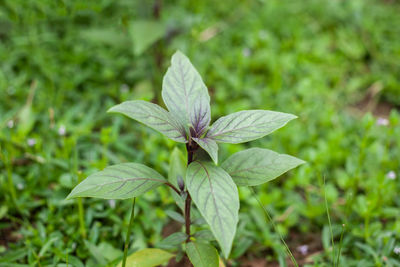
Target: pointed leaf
[
  {"x": 119, "y": 181},
  {"x": 185, "y": 94},
  {"x": 148, "y": 257},
  {"x": 153, "y": 116},
  {"x": 247, "y": 125},
  {"x": 216, "y": 197},
  {"x": 202, "y": 254},
  {"x": 210, "y": 146},
  {"x": 256, "y": 166}
]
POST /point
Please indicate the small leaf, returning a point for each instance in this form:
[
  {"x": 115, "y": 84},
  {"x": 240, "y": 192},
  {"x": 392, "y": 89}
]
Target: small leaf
[
  {"x": 185, "y": 94},
  {"x": 256, "y": 166},
  {"x": 148, "y": 257},
  {"x": 176, "y": 175},
  {"x": 173, "y": 240},
  {"x": 216, "y": 197},
  {"x": 247, "y": 125},
  {"x": 210, "y": 146},
  {"x": 175, "y": 216},
  {"x": 202, "y": 254},
  {"x": 121, "y": 181},
  {"x": 153, "y": 116},
  {"x": 177, "y": 166},
  {"x": 144, "y": 33},
  {"x": 204, "y": 235}
]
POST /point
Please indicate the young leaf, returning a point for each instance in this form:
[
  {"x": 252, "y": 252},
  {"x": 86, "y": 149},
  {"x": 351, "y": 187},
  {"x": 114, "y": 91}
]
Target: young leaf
[
  {"x": 185, "y": 94},
  {"x": 216, "y": 197},
  {"x": 177, "y": 174},
  {"x": 148, "y": 257},
  {"x": 173, "y": 241},
  {"x": 177, "y": 166},
  {"x": 121, "y": 181},
  {"x": 210, "y": 146},
  {"x": 256, "y": 166},
  {"x": 247, "y": 125},
  {"x": 202, "y": 254},
  {"x": 153, "y": 116}
]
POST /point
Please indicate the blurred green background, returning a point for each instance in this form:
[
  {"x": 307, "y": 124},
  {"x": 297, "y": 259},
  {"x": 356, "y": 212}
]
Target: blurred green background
[{"x": 335, "y": 64}]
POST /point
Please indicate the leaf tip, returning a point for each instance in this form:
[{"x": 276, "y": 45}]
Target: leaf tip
[{"x": 112, "y": 109}]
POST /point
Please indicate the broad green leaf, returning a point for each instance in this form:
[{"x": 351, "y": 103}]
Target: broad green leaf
[
  {"x": 202, "y": 254},
  {"x": 185, "y": 94},
  {"x": 256, "y": 166},
  {"x": 210, "y": 146},
  {"x": 144, "y": 33},
  {"x": 148, "y": 257},
  {"x": 247, "y": 125},
  {"x": 216, "y": 196},
  {"x": 153, "y": 116},
  {"x": 121, "y": 181}
]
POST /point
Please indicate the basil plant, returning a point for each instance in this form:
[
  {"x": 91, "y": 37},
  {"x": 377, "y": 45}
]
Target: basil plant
[{"x": 212, "y": 187}]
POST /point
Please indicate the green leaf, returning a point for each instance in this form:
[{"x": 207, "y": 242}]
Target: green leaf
[
  {"x": 153, "y": 116},
  {"x": 256, "y": 166},
  {"x": 216, "y": 197},
  {"x": 147, "y": 257},
  {"x": 202, "y": 254},
  {"x": 121, "y": 181},
  {"x": 210, "y": 146},
  {"x": 247, "y": 125},
  {"x": 144, "y": 33},
  {"x": 185, "y": 94},
  {"x": 173, "y": 240}
]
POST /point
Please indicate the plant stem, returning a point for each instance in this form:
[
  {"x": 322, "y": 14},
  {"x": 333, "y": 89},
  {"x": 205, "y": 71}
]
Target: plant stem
[
  {"x": 81, "y": 211},
  {"x": 128, "y": 233},
  {"x": 330, "y": 225},
  {"x": 190, "y": 151},
  {"x": 188, "y": 203},
  {"x": 79, "y": 175}
]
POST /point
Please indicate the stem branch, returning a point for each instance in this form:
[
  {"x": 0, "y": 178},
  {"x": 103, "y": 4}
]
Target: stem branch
[
  {"x": 173, "y": 187},
  {"x": 128, "y": 233}
]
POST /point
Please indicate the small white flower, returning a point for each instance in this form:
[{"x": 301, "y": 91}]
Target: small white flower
[
  {"x": 382, "y": 122},
  {"x": 391, "y": 175},
  {"x": 303, "y": 249},
  {"x": 31, "y": 141},
  {"x": 10, "y": 124},
  {"x": 111, "y": 202},
  {"x": 20, "y": 186},
  {"x": 73, "y": 245},
  {"x": 62, "y": 130},
  {"x": 246, "y": 52},
  {"x": 396, "y": 250}
]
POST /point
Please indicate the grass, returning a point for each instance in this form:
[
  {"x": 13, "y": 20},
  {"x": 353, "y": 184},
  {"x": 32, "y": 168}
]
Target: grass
[{"x": 332, "y": 63}]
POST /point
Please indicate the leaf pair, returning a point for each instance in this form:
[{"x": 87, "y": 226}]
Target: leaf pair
[{"x": 187, "y": 99}]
